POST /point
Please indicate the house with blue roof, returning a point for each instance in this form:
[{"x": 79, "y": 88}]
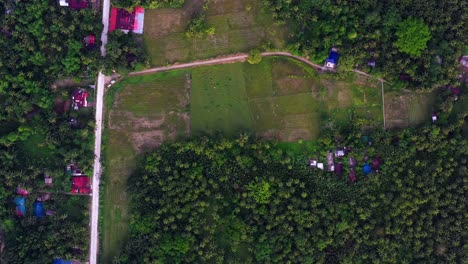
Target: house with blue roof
[
  {"x": 20, "y": 206},
  {"x": 61, "y": 261},
  {"x": 39, "y": 209},
  {"x": 332, "y": 61}
]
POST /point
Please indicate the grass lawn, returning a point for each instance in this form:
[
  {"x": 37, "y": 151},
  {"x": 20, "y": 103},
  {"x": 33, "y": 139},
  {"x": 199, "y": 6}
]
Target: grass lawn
[{"x": 240, "y": 25}]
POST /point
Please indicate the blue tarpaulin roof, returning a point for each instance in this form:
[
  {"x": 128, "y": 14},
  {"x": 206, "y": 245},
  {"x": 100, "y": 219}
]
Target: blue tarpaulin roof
[
  {"x": 39, "y": 209},
  {"x": 61, "y": 261},
  {"x": 333, "y": 57},
  {"x": 366, "y": 169},
  {"x": 20, "y": 208}
]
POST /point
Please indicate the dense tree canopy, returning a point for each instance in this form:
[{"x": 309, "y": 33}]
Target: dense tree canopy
[
  {"x": 244, "y": 201},
  {"x": 148, "y": 3},
  {"x": 41, "y": 43},
  {"x": 367, "y": 30}
]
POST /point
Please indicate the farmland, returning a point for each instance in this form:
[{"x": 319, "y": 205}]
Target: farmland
[{"x": 239, "y": 26}]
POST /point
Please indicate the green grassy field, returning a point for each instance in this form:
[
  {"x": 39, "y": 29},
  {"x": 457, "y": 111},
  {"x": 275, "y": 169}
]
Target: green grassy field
[
  {"x": 240, "y": 25},
  {"x": 278, "y": 98}
]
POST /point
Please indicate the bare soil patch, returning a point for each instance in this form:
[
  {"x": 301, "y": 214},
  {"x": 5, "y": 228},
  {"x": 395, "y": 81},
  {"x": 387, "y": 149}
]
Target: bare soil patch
[
  {"x": 121, "y": 120},
  {"x": 145, "y": 141}
]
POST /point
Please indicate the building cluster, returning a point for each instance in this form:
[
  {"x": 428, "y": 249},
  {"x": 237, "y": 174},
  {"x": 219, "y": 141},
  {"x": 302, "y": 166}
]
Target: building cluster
[{"x": 336, "y": 160}]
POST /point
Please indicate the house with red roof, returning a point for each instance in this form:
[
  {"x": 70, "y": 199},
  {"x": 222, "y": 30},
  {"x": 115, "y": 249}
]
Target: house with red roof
[
  {"x": 127, "y": 21},
  {"x": 79, "y": 99},
  {"x": 80, "y": 184},
  {"x": 90, "y": 41}
]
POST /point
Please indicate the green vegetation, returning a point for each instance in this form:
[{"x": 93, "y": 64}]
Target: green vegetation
[
  {"x": 239, "y": 26},
  {"x": 413, "y": 36},
  {"x": 198, "y": 28},
  {"x": 255, "y": 57},
  {"x": 245, "y": 201},
  {"x": 40, "y": 44},
  {"x": 148, "y": 3},
  {"x": 394, "y": 33}
]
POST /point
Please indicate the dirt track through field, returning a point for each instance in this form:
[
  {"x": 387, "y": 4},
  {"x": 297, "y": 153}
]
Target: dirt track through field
[{"x": 241, "y": 57}]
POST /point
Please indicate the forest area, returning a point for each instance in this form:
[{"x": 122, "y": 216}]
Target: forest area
[
  {"x": 414, "y": 44},
  {"x": 248, "y": 201},
  {"x": 41, "y": 43}
]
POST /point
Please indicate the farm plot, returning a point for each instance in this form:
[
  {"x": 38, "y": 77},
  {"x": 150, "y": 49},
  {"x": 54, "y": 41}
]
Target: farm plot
[
  {"x": 278, "y": 99},
  {"x": 240, "y": 25},
  {"x": 142, "y": 113},
  {"x": 408, "y": 109}
]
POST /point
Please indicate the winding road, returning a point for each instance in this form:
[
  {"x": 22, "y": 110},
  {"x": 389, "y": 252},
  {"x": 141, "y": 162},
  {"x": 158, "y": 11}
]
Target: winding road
[{"x": 241, "y": 57}]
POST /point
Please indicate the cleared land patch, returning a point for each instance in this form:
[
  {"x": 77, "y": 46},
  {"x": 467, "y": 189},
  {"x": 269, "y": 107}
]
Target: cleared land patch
[
  {"x": 240, "y": 25},
  {"x": 408, "y": 109}
]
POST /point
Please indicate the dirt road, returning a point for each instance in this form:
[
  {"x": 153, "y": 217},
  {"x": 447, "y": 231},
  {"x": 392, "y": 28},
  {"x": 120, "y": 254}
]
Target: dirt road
[{"x": 224, "y": 60}]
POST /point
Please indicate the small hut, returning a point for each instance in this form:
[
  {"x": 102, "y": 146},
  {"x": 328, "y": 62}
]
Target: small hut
[
  {"x": 331, "y": 165},
  {"x": 38, "y": 209},
  {"x": 47, "y": 180},
  {"x": 366, "y": 169},
  {"x": 20, "y": 206},
  {"x": 352, "y": 176},
  {"x": 339, "y": 169}
]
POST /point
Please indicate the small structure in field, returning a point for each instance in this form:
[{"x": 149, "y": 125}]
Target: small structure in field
[
  {"x": 79, "y": 99},
  {"x": 456, "y": 91},
  {"x": 376, "y": 164},
  {"x": 332, "y": 61},
  {"x": 127, "y": 21},
  {"x": 320, "y": 165},
  {"x": 331, "y": 164},
  {"x": 22, "y": 191},
  {"x": 464, "y": 69},
  {"x": 313, "y": 163},
  {"x": 90, "y": 41},
  {"x": 352, "y": 176},
  {"x": 20, "y": 206},
  {"x": 39, "y": 209},
  {"x": 47, "y": 180},
  {"x": 74, "y": 4},
  {"x": 50, "y": 213},
  {"x": 339, "y": 169},
  {"x": 81, "y": 185},
  {"x": 61, "y": 261},
  {"x": 340, "y": 153},
  {"x": 366, "y": 169},
  {"x": 73, "y": 170}
]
